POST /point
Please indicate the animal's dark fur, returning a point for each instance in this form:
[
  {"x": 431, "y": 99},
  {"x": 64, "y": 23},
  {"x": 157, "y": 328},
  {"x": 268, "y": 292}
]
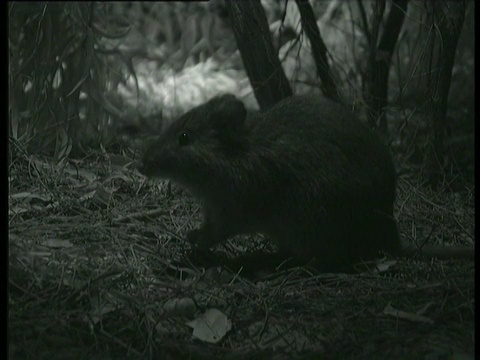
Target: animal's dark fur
[{"x": 306, "y": 173}]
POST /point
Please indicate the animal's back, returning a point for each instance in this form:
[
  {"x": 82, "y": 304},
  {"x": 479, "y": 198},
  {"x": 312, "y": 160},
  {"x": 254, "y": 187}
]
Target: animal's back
[{"x": 332, "y": 179}]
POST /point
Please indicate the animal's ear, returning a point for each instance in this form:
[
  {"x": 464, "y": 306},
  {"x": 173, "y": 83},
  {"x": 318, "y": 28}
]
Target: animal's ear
[{"x": 227, "y": 111}]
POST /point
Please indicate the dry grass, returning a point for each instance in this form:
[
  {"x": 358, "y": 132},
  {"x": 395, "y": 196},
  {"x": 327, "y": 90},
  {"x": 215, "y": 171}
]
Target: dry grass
[{"x": 96, "y": 253}]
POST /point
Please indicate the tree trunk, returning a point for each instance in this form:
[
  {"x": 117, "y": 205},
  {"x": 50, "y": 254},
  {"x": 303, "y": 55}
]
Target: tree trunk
[
  {"x": 379, "y": 63},
  {"x": 448, "y": 17},
  {"x": 250, "y": 27},
  {"x": 371, "y": 86},
  {"x": 319, "y": 50}
]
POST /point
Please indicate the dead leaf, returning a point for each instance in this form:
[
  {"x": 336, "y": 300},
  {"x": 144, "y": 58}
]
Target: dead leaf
[
  {"x": 211, "y": 327},
  {"x": 383, "y": 266},
  {"x": 390, "y": 310}
]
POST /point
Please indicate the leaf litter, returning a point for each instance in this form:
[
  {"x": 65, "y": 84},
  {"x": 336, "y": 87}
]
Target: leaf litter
[{"x": 111, "y": 276}]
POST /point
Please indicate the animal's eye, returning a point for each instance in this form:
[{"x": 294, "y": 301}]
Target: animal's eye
[{"x": 183, "y": 139}]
